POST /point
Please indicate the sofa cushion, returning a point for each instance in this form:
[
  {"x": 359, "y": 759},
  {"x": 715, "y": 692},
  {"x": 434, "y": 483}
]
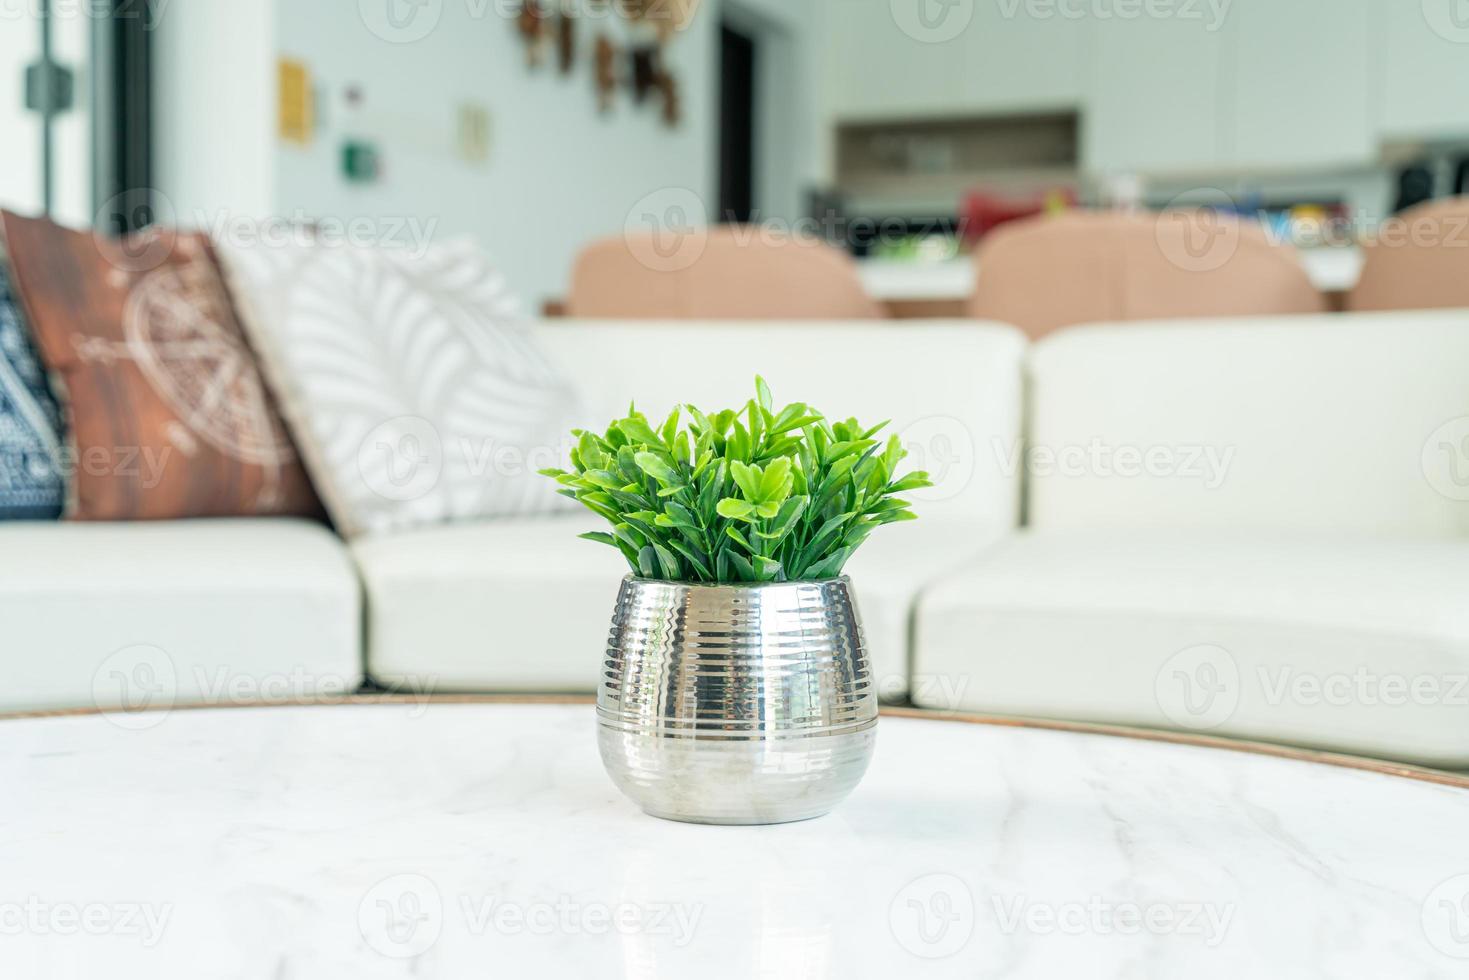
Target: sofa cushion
[
  {"x": 526, "y": 605},
  {"x": 492, "y": 606},
  {"x": 168, "y": 416},
  {"x": 1356, "y": 423},
  {"x": 31, "y": 463},
  {"x": 224, "y": 611},
  {"x": 416, "y": 391},
  {"x": 1356, "y": 643}
]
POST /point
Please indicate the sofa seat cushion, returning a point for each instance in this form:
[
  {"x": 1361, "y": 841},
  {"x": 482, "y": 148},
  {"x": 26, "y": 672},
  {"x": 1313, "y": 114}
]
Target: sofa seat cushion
[
  {"x": 1352, "y": 643},
  {"x": 525, "y": 606},
  {"x": 889, "y": 573},
  {"x": 511, "y": 606},
  {"x": 226, "y": 611}
]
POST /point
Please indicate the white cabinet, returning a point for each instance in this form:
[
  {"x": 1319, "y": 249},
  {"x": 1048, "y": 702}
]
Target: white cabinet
[
  {"x": 1424, "y": 68},
  {"x": 1299, "y": 83},
  {"x": 1020, "y": 56},
  {"x": 1195, "y": 86},
  {"x": 879, "y": 70},
  {"x": 1155, "y": 94},
  {"x": 927, "y": 58}
]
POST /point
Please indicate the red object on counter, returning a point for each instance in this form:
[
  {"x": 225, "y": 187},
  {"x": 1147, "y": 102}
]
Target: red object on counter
[{"x": 983, "y": 213}]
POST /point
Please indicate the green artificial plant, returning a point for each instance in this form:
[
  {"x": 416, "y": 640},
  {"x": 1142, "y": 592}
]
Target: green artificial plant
[{"x": 753, "y": 495}]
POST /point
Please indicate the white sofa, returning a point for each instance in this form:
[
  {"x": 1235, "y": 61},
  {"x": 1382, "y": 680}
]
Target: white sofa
[
  {"x": 1251, "y": 528},
  {"x": 1304, "y": 583}
]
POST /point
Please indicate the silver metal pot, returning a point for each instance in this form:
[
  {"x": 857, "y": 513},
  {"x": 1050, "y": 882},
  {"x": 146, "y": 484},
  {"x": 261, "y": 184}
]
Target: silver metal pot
[{"x": 736, "y": 704}]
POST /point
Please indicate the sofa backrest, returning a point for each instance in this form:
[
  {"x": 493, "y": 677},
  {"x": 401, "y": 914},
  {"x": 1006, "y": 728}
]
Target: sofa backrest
[
  {"x": 1417, "y": 260},
  {"x": 722, "y": 273},
  {"x": 1049, "y": 272},
  {"x": 952, "y": 390},
  {"x": 1355, "y": 422}
]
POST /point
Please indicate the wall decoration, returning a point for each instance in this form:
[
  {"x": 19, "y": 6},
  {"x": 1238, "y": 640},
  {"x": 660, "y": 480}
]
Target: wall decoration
[
  {"x": 672, "y": 104},
  {"x": 646, "y": 28},
  {"x": 474, "y": 133},
  {"x": 296, "y": 110},
  {"x": 533, "y": 30},
  {"x": 361, "y": 162},
  {"x": 606, "y": 72},
  {"x": 566, "y": 42},
  {"x": 646, "y": 67},
  {"x": 667, "y": 17}
]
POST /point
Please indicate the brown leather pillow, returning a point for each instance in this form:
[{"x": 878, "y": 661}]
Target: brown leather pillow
[{"x": 167, "y": 411}]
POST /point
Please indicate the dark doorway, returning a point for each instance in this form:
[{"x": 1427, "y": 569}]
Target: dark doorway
[{"x": 736, "y": 125}]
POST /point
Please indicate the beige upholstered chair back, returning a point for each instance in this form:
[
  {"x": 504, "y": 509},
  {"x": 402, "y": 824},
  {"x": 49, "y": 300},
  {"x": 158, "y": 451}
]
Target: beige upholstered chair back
[
  {"x": 1420, "y": 260},
  {"x": 1053, "y": 271},
  {"x": 724, "y": 273}
]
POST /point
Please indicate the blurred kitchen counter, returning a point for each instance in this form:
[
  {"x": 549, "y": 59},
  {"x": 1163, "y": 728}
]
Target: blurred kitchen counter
[{"x": 922, "y": 290}]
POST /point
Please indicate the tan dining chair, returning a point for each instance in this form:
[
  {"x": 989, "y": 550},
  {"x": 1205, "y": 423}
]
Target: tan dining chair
[
  {"x": 1418, "y": 261},
  {"x": 721, "y": 273},
  {"x": 1048, "y": 272}
]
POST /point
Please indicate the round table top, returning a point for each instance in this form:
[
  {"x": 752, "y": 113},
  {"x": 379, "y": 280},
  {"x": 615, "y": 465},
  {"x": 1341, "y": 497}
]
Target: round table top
[{"x": 444, "y": 840}]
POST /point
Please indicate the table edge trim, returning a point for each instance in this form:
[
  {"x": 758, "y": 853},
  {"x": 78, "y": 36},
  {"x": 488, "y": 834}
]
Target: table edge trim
[{"x": 1401, "y": 770}]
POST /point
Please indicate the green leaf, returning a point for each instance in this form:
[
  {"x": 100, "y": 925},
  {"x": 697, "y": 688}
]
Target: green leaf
[
  {"x": 736, "y": 510},
  {"x": 701, "y": 421},
  {"x": 648, "y": 562},
  {"x": 740, "y": 539},
  {"x": 670, "y": 427},
  {"x": 667, "y": 562},
  {"x": 601, "y": 537},
  {"x": 785, "y": 519},
  {"x": 762, "y": 393},
  {"x": 768, "y": 570},
  {"x": 627, "y": 464},
  {"x": 630, "y": 535},
  {"x": 638, "y": 432},
  {"x": 681, "y": 516},
  {"x": 792, "y": 417},
  {"x": 590, "y": 455},
  {"x": 712, "y": 490},
  {"x": 742, "y": 567},
  {"x": 659, "y": 469},
  {"x": 747, "y": 478},
  {"x": 916, "y": 480},
  {"x": 740, "y": 444},
  {"x": 849, "y": 449},
  {"x": 692, "y": 558},
  {"x": 829, "y": 567},
  {"x": 775, "y": 482}
]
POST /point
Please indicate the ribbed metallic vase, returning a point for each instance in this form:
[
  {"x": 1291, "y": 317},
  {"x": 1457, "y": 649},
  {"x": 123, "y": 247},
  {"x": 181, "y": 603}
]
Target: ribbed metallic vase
[{"x": 736, "y": 704}]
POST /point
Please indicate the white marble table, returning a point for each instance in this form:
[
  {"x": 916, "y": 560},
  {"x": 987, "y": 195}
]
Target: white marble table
[{"x": 485, "y": 841}]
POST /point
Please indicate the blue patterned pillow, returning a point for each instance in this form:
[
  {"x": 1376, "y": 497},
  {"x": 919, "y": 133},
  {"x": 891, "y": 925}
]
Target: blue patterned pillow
[{"x": 31, "y": 480}]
